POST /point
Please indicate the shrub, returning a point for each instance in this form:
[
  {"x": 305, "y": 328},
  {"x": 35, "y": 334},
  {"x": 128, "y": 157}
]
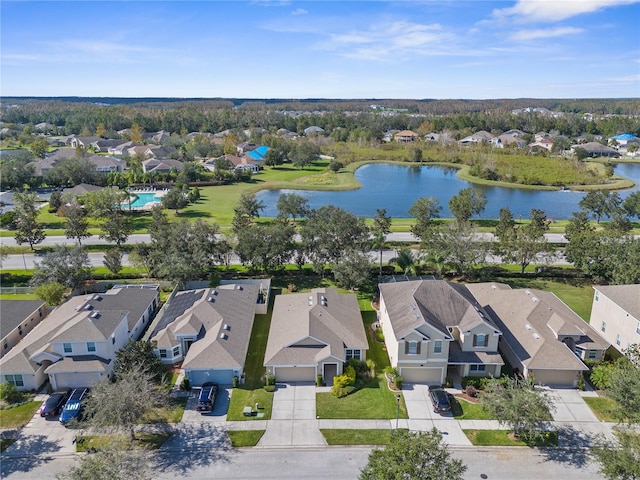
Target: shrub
[
  {"x": 379, "y": 335},
  {"x": 371, "y": 365},
  {"x": 350, "y": 372},
  {"x": 271, "y": 380},
  {"x": 398, "y": 382},
  {"x": 319, "y": 381},
  {"x": 342, "y": 391},
  {"x": 340, "y": 381},
  {"x": 471, "y": 391},
  {"x": 269, "y": 388},
  {"x": 292, "y": 287},
  {"x": 9, "y": 393},
  {"x": 601, "y": 376},
  {"x": 185, "y": 385},
  {"x": 391, "y": 372},
  {"x": 480, "y": 383},
  {"x": 360, "y": 366},
  {"x": 235, "y": 381}
]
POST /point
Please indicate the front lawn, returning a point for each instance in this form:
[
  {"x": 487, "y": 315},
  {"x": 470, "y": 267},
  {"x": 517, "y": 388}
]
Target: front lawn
[
  {"x": 602, "y": 407},
  {"x": 503, "y": 438},
  {"x": 245, "y": 396},
  {"x": 245, "y": 438},
  {"x": 171, "y": 413},
  {"x": 356, "y": 436},
  {"x": 148, "y": 441},
  {"x": 373, "y": 401},
  {"x": 18, "y": 417},
  {"x": 465, "y": 410}
]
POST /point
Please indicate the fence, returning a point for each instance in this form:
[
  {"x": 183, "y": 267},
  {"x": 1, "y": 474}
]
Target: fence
[{"x": 15, "y": 290}]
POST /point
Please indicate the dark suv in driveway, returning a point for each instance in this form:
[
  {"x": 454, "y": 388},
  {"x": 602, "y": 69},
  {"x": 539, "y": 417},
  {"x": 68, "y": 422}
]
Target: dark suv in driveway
[
  {"x": 207, "y": 397},
  {"x": 439, "y": 398},
  {"x": 73, "y": 408},
  {"x": 53, "y": 405}
]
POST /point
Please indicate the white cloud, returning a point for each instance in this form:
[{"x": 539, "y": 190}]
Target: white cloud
[
  {"x": 543, "y": 11},
  {"x": 299, "y": 11},
  {"x": 524, "y": 35}
]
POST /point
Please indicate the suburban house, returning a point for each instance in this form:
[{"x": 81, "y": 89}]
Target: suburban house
[
  {"x": 82, "y": 142},
  {"x": 545, "y": 144},
  {"x": 314, "y": 334},
  {"x": 541, "y": 336},
  {"x": 18, "y": 319},
  {"x": 153, "y": 165},
  {"x": 405, "y": 136},
  {"x": 508, "y": 140},
  {"x": 76, "y": 344},
  {"x": 615, "y": 314},
  {"x": 207, "y": 331},
  {"x": 105, "y": 164},
  {"x": 479, "y": 137},
  {"x": 625, "y": 139},
  {"x": 435, "y": 330},
  {"x": 595, "y": 149},
  {"x": 313, "y": 130}
]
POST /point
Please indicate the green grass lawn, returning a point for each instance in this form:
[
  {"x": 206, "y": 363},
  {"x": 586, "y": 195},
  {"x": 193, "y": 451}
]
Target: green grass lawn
[
  {"x": 18, "y": 417},
  {"x": 356, "y": 436},
  {"x": 373, "y": 401},
  {"x": 171, "y": 413},
  {"x": 465, "y": 410},
  {"x": 149, "y": 441},
  {"x": 245, "y": 396},
  {"x": 245, "y": 438},
  {"x": 602, "y": 407},
  {"x": 501, "y": 438},
  {"x": 6, "y": 443}
]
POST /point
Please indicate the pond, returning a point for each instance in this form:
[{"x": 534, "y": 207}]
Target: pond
[{"x": 396, "y": 187}]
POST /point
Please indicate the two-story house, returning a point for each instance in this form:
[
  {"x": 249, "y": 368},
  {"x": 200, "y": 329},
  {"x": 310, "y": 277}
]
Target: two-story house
[
  {"x": 314, "y": 334},
  {"x": 18, "y": 318},
  {"x": 435, "y": 330},
  {"x": 615, "y": 314},
  {"x": 76, "y": 344}
]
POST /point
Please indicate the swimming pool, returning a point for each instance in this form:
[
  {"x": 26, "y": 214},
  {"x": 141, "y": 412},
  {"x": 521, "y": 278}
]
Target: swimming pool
[{"x": 144, "y": 199}]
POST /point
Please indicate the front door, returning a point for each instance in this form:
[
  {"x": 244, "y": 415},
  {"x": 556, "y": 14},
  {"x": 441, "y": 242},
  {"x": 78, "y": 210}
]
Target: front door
[{"x": 329, "y": 370}]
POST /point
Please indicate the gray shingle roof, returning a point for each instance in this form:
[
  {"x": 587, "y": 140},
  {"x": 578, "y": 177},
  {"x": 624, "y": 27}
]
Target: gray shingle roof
[
  {"x": 307, "y": 327},
  {"x": 79, "y": 363},
  {"x": 625, "y": 296},
  {"x": 14, "y": 312}
]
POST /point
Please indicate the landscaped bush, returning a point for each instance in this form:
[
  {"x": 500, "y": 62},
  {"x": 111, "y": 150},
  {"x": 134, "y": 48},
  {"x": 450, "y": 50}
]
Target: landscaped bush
[
  {"x": 344, "y": 384},
  {"x": 479, "y": 383},
  {"x": 471, "y": 391},
  {"x": 319, "y": 381},
  {"x": 398, "y": 382},
  {"x": 342, "y": 391},
  {"x": 270, "y": 380},
  {"x": 379, "y": 335},
  {"x": 269, "y": 388},
  {"x": 9, "y": 393},
  {"x": 185, "y": 385},
  {"x": 235, "y": 382}
]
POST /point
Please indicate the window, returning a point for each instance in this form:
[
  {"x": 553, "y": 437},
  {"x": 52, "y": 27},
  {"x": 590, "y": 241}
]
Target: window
[
  {"x": 437, "y": 346},
  {"x": 16, "y": 380},
  {"x": 618, "y": 340},
  {"x": 349, "y": 354},
  {"x": 604, "y": 326},
  {"x": 67, "y": 348},
  {"x": 163, "y": 353},
  {"x": 480, "y": 340},
  {"x": 412, "y": 347},
  {"x": 91, "y": 346},
  {"x": 477, "y": 368},
  {"x": 592, "y": 355},
  {"x": 176, "y": 351}
]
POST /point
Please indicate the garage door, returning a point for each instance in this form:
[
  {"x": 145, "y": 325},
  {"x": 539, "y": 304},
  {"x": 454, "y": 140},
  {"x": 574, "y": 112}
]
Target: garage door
[
  {"x": 295, "y": 374},
  {"x": 421, "y": 375},
  {"x": 75, "y": 380},
  {"x": 198, "y": 377},
  {"x": 555, "y": 377}
]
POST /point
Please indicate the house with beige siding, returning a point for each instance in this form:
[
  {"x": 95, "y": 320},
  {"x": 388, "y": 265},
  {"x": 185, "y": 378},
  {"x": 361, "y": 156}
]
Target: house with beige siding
[
  {"x": 314, "y": 334},
  {"x": 615, "y": 314},
  {"x": 17, "y": 319},
  {"x": 435, "y": 330},
  {"x": 541, "y": 335}
]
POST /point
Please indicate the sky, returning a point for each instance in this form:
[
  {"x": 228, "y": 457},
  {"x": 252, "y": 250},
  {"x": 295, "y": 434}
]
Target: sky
[{"x": 409, "y": 49}]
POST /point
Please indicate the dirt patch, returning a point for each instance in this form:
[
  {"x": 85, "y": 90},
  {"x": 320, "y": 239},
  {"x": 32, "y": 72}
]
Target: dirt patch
[{"x": 466, "y": 397}]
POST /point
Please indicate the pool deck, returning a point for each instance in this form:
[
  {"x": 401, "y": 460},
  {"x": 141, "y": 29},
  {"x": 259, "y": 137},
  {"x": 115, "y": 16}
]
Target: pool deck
[{"x": 149, "y": 205}]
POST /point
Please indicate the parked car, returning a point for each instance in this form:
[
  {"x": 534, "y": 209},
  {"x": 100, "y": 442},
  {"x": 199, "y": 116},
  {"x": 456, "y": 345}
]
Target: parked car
[
  {"x": 73, "y": 408},
  {"x": 439, "y": 398},
  {"x": 207, "y": 397},
  {"x": 53, "y": 405}
]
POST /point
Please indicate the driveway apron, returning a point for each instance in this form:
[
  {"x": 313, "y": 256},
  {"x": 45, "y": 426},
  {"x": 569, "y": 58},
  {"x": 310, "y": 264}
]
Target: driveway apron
[{"x": 293, "y": 417}]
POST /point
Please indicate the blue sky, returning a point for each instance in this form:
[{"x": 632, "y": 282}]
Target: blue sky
[{"x": 322, "y": 49}]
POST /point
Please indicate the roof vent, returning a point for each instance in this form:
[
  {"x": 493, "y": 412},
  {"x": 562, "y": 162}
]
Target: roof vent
[
  {"x": 97, "y": 297},
  {"x": 534, "y": 299},
  {"x": 527, "y": 326},
  {"x": 95, "y": 314},
  {"x": 527, "y": 292},
  {"x": 239, "y": 287},
  {"x": 214, "y": 291},
  {"x": 88, "y": 306},
  {"x": 536, "y": 336},
  {"x": 224, "y": 336},
  {"x": 494, "y": 287},
  {"x": 211, "y": 299},
  {"x": 226, "y": 327}
]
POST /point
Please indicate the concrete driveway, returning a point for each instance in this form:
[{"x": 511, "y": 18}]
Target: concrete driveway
[
  {"x": 293, "y": 417},
  {"x": 220, "y": 407},
  {"x": 570, "y": 406}
]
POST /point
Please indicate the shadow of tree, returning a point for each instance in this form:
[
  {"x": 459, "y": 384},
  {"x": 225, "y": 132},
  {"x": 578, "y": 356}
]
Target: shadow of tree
[
  {"x": 193, "y": 446},
  {"x": 28, "y": 452},
  {"x": 573, "y": 448}
]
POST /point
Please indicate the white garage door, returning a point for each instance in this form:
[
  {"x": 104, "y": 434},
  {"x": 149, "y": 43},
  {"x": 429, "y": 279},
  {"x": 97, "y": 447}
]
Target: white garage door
[
  {"x": 76, "y": 380},
  {"x": 421, "y": 375},
  {"x": 295, "y": 374},
  {"x": 198, "y": 377},
  {"x": 555, "y": 377}
]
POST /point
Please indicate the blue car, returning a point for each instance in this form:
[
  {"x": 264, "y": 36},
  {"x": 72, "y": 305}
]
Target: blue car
[{"x": 73, "y": 408}]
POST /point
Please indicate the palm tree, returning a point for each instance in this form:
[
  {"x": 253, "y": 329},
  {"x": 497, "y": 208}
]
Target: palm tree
[
  {"x": 437, "y": 261},
  {"x": 407, "y": 262}
]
